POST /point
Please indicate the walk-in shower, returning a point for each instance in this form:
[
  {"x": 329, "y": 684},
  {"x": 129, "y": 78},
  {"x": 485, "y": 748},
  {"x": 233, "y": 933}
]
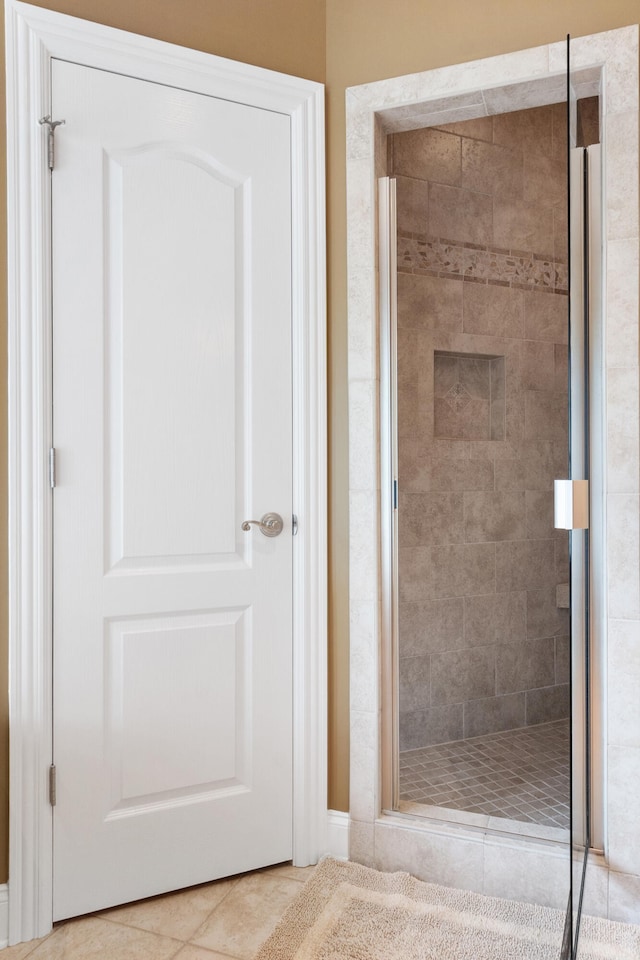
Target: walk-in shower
[
  {"x": 484, "y": 400},
  {"x": 501, "y": 856},
  {"x": 482, "y": 432}
]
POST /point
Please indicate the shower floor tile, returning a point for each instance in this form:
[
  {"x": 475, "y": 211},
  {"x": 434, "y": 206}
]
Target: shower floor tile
[{"x": 520, "y": 775}]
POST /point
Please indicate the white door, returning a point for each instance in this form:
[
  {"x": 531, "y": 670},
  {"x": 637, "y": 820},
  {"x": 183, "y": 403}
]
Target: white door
[{"x": 172, "y": 425}]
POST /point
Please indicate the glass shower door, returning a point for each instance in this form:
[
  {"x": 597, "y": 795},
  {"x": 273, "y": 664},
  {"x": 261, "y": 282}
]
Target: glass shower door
[{"x": 583, "y": 173}]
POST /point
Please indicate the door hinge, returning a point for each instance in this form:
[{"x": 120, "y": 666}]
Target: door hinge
[
  {"x": 395, "y": 494},
  {"x": 294, "y": 525},
  {"x": 51, "y": 128},
  {"x": 52, "y": 467},
  {"x": 52, "y": 784}
]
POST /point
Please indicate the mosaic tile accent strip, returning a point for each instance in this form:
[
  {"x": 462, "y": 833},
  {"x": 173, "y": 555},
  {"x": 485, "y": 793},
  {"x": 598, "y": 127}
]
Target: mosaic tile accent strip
[
  {"x": 466, "y": 261},
  {"x": 520, "y": 775}
]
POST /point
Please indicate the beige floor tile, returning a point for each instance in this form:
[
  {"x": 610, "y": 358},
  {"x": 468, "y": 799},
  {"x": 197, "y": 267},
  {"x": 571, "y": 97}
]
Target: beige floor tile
[
  {"x": 20, "y": 951},
  {"x": 287, "y": 870},
  {"x": 247, "y": 915},
  {"x": 92, "y": 938},
  {"x": 189, "y": 952},
  {"x": 177, "y": 915}
]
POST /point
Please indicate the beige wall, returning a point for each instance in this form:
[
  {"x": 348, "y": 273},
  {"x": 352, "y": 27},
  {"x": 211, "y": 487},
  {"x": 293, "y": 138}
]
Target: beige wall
[
  {"x": 365, "y": 40},
  {"x": 284, "y": 35},
  {"x": 372, "y": 40}
]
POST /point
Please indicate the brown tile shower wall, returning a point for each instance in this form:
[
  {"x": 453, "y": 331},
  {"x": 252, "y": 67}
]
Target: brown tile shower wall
[{"x": 482, "y": 414}]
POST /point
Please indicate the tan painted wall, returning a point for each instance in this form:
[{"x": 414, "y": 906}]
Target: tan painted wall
[
  {"x": 371, "y": 40},
  {"x": 283, "y": 35}
]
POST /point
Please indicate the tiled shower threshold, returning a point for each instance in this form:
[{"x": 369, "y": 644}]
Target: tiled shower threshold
[{"x": 517, "y": 781}]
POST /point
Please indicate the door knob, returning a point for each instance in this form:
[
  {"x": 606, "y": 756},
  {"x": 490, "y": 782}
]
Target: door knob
[{"x": 271, "y": 525}]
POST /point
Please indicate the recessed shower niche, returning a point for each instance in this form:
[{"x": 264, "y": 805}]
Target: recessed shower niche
[{"x": 469, "y": 396}]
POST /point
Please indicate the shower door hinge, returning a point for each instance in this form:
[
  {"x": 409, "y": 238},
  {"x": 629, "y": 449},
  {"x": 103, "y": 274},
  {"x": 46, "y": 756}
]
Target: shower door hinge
[
  {"x": 52, "y": 467},
  {"x": 395, "y": 494},
  {"x": 294, "y": 525},
  {"x": 52, "y": 784},
  {"x": 51, "y": 128}
]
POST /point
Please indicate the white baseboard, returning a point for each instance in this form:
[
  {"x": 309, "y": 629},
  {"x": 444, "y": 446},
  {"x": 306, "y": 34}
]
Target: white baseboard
[
  {"x": 338, "y": 834},
  {"x": 4, "y": 915}
]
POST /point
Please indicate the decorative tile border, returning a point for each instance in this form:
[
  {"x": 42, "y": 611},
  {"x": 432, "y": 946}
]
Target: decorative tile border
[{"x": 450, "y": 259}]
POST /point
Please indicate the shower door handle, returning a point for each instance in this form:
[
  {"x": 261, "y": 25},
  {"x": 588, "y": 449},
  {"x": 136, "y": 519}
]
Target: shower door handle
[{"x": 571, "y": 504}]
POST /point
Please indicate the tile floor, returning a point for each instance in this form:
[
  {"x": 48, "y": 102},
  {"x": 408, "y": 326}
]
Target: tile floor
[
  {"x": 226, "y": 920},
  {"x": 520, "y": 775}
]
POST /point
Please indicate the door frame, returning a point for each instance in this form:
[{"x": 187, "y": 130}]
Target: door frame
[{"x": 35, "y": 36}]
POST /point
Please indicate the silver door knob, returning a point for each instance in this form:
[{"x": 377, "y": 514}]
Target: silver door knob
[{"x": 271, "y": 525}]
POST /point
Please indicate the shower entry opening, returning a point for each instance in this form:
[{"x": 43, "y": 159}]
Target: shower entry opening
[{"x": 489, "y": 268}]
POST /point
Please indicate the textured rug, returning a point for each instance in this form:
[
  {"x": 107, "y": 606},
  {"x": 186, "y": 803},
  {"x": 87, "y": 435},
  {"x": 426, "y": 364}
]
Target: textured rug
[{"x": 349, "y": 912}]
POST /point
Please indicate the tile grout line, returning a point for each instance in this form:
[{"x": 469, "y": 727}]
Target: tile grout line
[{"x": 220, "y": 902}]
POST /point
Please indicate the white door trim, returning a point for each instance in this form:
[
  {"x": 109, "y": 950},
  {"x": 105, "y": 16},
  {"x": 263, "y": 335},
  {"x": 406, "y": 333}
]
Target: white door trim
[{"x": 33, "y": 37}]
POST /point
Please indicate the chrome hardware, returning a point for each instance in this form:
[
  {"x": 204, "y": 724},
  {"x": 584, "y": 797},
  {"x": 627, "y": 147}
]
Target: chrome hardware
[
  {"x": 571, "y": 504},
  {"x": 294, "y": 525},
  {"x": 52, "y": 784},
  {"x": 52, "y": 467},
  {"x": 271, "y": 525},
  {"x": 51, "y": 129}
]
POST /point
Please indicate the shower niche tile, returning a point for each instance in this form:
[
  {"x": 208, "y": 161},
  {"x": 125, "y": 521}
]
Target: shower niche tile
[{"x": 469, "y": 396}]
